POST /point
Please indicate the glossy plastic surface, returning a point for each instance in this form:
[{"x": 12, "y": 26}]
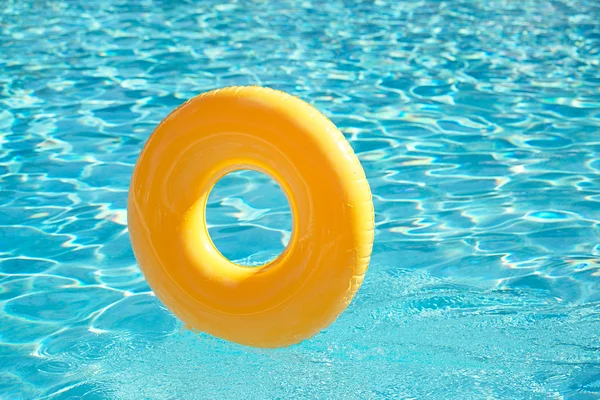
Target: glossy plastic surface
[{"x": 300, "y": 292}]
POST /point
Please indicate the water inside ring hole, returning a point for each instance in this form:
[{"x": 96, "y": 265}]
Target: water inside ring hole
[{"x": 248, "y": 218}]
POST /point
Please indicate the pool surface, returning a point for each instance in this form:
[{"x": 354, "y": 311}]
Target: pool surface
[{"x": 477, "y": 123}]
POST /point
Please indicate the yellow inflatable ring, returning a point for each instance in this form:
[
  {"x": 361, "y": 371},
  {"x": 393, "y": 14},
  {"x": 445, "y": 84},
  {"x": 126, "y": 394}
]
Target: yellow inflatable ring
[{"x": 297, "y": 294}]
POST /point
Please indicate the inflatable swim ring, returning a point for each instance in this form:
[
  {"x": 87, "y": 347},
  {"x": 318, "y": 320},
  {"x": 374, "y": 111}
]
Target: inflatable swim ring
[{"x": 300, "y": 292}]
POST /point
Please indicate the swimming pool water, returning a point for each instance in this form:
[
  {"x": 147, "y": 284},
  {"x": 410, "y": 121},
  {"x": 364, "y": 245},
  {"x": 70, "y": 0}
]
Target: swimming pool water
[{"x": 477, "y": 123}]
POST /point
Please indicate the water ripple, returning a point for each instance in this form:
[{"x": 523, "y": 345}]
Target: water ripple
[{"x": 478, "y": 126}]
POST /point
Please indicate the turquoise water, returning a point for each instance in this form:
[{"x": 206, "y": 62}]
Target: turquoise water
[{"x": 477, "y": 123}]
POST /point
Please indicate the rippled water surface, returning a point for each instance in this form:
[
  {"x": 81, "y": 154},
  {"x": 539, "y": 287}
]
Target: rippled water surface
[{"x": 477, "y": 123}]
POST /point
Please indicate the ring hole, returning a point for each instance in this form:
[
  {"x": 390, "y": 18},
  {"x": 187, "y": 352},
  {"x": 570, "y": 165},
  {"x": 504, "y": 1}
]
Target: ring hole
[{"x": 248, "y": 218}]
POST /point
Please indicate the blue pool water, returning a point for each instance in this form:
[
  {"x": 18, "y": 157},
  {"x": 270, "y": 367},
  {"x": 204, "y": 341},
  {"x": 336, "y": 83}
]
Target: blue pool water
[{"x": 477, "y": 123}]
